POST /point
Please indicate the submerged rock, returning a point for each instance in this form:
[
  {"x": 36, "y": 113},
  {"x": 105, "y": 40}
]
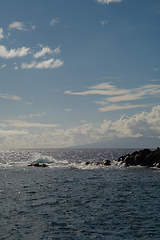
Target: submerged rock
[
  {"x": 144, "y": 157},
  {"x": 36, "y": 164}
]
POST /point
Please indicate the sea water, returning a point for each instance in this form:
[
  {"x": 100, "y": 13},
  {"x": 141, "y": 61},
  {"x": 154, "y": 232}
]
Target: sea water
[{"x": 71, "y": 200}]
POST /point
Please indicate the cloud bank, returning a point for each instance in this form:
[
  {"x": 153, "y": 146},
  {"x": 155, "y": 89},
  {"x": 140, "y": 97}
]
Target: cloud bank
[{"x": 145, "y": 124}]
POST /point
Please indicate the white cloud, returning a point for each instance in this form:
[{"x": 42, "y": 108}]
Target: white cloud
[
  {"x": 17, "y": 25},
  {"x": 120, "y": 95},
  {"x": 1, "y": 33},
  {"x": 104, "y": 22},
  {"x": 114, "y": 107},
  {"x": 29, "y": 103},
  {"x": 54, "y": 21},
  {"x": 13, "y": 132},
  {"x": 3, "y": 66},
  {"x": 22, "y": 124},
  {"x": 68, "y": 110},
  {"x": 32, "y": 115},
  {"x": 21, "y": 26},
  {"x": 15, "y": 66},
  {"x": 145, "y": 124},
  {"x": 51, "y": 63},
  {"x": 10, "y": 97},
  {"x": 37, "y": 114},
  {"x": 45, "y": 50},
  {"x": 108, "y": 1},
  {"x": 20, "y": 52}
]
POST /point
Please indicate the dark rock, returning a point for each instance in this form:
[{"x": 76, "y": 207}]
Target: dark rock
[
  {"x": 140, "y": 156},
  {"x": 120, "y": 159},
  {"x": 144, "y": 157},
  {"x": 87, "y": 162},
  {"x": 96, "y": 163},
  {"x": 105, "y": 162},
  {"x": 36, "y": 164},
  {"x": 129, "y": 160},
  {"x": 73, "y": 168}
]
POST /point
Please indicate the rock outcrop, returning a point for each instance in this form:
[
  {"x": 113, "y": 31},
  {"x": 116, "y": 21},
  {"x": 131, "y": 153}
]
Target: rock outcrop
[
  {"x": 36, "y": 164},
  {"x": 104, "y": 162},
  {"x": 144, "y": 157}
]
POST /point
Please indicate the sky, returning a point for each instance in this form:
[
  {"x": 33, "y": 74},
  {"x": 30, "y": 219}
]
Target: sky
[{"x": 76, "y": 72}]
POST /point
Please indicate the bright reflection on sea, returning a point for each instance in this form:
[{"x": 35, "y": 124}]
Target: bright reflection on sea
[{"x": 69, "y": 200}]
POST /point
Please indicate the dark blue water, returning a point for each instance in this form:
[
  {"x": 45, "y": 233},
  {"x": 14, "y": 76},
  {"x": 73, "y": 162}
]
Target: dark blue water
[{"x": 69, "y": 200}]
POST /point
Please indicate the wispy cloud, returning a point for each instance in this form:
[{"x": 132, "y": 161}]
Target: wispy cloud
[
  {"x": 20, "y": 52},
  {"x": 68, "y": 110},
  {"x": 45, "y": 50},
  {"x": 32, "y": 115},
  {"x": 10, "y": 97},
  {"x": 21, "y": 26},
  {"x": 1, "y": 33},
  {"x": 37, "y": 115},
  {"x": 103, "y": 22},
  {"x": 3, "y": 66},
  {"x": 156, "y": 69},
  {"x": 15, "y": 66},
  {"x": 13, "y": 97},
  {"x": 109, "y": 77},
  {"x": 54, "y": 21},
  {"x": 108, "y": 1},
  {"x": 115, "y": 95},
  {"x": 51, "y": 63},
  {"x": 21, "y": 124},
  {"x": 114, "y": 107},
  {"x": 13, "y": 132}
]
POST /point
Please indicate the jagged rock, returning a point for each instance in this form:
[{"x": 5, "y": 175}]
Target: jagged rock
[
  {"x": 144, "y": 157},
  {"x": 105, "y": 162},
  {"x": 96, "y": 163},
  {"x": 129, "y": 160},
  {"x": 36, "y": 164},
  {"x": 87, "y": 163}
]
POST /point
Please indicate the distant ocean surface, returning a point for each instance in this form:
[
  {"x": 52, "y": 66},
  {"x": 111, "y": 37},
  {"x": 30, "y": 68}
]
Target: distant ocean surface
[{"x": 69, "y": 200}]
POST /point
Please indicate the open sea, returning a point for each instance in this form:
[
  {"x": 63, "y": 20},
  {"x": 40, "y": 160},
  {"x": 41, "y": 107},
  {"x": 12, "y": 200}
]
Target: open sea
[{"x": 69, "y": 200}]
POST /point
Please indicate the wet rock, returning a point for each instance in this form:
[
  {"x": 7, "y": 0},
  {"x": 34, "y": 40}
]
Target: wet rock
[
  {"x": 129, "y": 160},
  {"x": 96, "y": 163},
  {"x": 105, "y": 162},
  {"x": 87, "y": 163},
  {"x": 36, "y": 164},
  {"x": 144, "y": 157}
]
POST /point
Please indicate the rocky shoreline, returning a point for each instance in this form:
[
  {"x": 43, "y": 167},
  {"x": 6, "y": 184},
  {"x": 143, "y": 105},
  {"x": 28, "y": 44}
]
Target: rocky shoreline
[{"x": 144, "y": 157}]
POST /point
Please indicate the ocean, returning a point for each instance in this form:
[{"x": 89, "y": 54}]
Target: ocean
[{"x": 71, "y": 200}]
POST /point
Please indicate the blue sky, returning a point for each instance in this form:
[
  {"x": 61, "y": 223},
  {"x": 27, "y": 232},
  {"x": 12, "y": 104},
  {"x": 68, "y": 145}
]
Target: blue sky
[{"x": 76, "y": 72}]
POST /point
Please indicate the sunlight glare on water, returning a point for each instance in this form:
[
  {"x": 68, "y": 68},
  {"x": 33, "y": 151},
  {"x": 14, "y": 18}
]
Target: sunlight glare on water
[{"x": 69, "y": 200}]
